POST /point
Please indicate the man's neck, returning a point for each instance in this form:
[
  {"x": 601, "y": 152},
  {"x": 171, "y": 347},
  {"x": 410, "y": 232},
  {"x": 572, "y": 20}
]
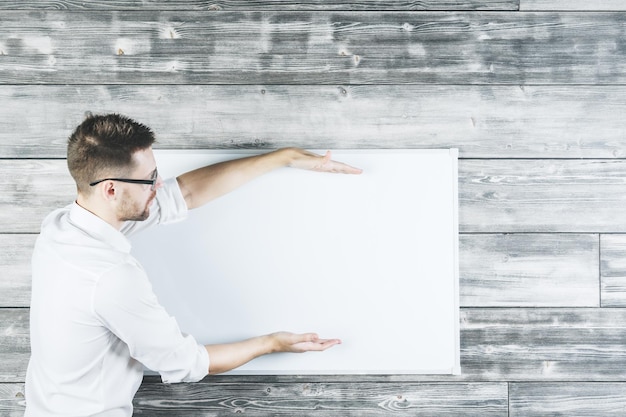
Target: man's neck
[{"x": 101, "y": 212}]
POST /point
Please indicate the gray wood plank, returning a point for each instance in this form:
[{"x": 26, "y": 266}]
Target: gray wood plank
[
  {"x": 584, "y": 344},
  {"x": 573, "y": 196},
  {"x": 29, "y": 190},
  {"x": 12, "y": 402},
  {"x": 322, "y": 5},
  {"x": 13, "y": 366},
  {"x": 14, "y": 344},
  {"x": 529, "y": 270},
  {"x": 15, "y": 271},
  {"x": 497, "y": 344},
  {"x": 581, "y": 5},
  {"x": 312, "y": 47},
  {"x": 323, "y": 399},
  {"x": 482, "y": 121},
  {"x": 613, "y": 270},
  {"x": 495, "y": 196},
  {"x": 14, "y": 330},
  {"x": 496, "y": 270},
  {"x": 580, "y": 399}
]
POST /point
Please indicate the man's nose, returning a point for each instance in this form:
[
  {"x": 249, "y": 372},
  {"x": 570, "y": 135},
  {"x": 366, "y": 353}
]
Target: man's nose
[{"x": 159, "y": 183}]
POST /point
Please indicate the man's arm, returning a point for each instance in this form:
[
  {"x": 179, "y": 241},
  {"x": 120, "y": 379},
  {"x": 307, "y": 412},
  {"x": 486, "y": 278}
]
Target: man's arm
[
  {"x": 224, "y": 357},
  {"x": 205, "y": 184}
]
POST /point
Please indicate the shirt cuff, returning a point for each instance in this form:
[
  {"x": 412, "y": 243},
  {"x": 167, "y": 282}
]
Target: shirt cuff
[{"x": 198, "y": 369}]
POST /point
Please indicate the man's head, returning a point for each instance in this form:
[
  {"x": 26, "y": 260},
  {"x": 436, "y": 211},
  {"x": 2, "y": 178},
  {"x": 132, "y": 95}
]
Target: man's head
[
  {"x": 110, "y": 158},
  {"x": 103, "y": 146}
]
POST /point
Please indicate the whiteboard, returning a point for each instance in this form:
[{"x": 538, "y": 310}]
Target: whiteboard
[{"x": 371, "y": 259}]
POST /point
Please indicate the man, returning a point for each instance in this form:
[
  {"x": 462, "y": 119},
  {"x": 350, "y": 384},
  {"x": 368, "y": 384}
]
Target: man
[{"x": 94, "y": 318}]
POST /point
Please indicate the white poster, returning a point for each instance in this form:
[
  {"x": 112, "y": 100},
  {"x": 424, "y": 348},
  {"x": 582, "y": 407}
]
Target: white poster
[{"x": 371, "y": 259}]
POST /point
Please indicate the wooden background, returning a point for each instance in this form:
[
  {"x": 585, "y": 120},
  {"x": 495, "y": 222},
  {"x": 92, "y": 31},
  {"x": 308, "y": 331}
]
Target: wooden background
[{"x": 532, "y": 92}]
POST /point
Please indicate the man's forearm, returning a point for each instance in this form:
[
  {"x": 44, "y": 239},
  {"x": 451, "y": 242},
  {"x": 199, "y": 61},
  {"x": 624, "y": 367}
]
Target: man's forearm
[
  {"x": 208, "y": 183},
  {"x": 224, "y": 357},
  {"x": 205, "y": 184}
]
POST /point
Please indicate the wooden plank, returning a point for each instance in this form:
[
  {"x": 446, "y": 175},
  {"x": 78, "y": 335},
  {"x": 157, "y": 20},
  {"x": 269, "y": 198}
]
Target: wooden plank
[
  {"x": 529, "y": 270},
  {"x": 14, "y": 330},
  {"x": 312, "y": 48},
  {"x": 613, "y": 270},
  {"x": 12, "y": 402},
  {"x": 14, "y": 344},
  {"x": 232, "y": 5},
  {"x": 323, "y": 399},
  {"x": 580, "y": 399},
  {"x": 496, "y": 270},
  {"x": 497, "y": 344},
  {"x": 29, "y": 190},
  {"x": 482, "y": 121},
  {"x": 13, "y": 365},
  {"x": 537, "y": 344},
  {"x": 573, "y": 196},
  {"x": 580, "y": 5},
  {"x": 495, "y": 196},
  {"x": 15, "y": 253}
]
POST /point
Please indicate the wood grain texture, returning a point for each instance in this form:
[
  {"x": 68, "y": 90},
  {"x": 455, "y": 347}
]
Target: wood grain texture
[
  {"x": 495, "y": 196},
  {"x": 14, "y": 344},
  {"x": 544, "y": 344},
  {"x": 497, "y": 345},
  {"x": 323, "y": 399},
  {"x": 613, "y": 270},
  {"x": 15, "y": 271},
  {"x": 581, "y": 399},
  {"x": 496, "y": 270},
  {"x": 312, "y": 48},
  {"x": 515, "y": 91},
  {"x": 322, "y": 5},
  {"x": 29, "y": 190},
  {"x": 581, "y": 5},
  {"x": 12, "y": 402},
  {"x": 575, "y": 196},
  {"x": 529, "y": 270},
  {"x": 482, "y": 121}
]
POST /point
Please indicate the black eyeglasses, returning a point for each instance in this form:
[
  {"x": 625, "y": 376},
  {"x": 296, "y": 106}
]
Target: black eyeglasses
[{"x": 152, "y": 181}]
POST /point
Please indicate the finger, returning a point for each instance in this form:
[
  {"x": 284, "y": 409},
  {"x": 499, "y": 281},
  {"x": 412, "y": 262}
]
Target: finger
[
  {"x": 347, "y": 169},
  {"x": 333, "y": 166},
  {"x": 327, "y": 343},
  {"x": 322, "y": 162},
  {"x": 342, "y": 168},
  {"x": 317, "y": 345},
  {"x": 307, "y": 337}
]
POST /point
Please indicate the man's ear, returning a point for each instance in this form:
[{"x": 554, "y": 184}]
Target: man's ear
[{"x": 108, "y": 190}]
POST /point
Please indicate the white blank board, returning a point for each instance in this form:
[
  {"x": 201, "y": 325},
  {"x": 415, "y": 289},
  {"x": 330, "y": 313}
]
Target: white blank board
[{"x": 371, "y": 259}]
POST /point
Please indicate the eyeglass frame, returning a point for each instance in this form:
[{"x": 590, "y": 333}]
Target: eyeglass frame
[{"x": 152, "y": 182}]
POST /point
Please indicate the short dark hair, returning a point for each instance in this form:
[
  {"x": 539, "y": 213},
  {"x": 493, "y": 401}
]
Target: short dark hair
[{"x": 104, "y": 145}]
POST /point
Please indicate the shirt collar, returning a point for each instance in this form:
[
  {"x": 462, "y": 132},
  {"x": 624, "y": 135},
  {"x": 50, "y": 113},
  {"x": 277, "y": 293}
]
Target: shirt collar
[{"x": 98, "y": 228}]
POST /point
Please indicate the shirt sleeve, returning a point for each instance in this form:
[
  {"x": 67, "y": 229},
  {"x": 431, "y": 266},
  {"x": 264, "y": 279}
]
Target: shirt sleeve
[
  {"x": 127, "y": 306},
  {"x": 169, "y": 206}
]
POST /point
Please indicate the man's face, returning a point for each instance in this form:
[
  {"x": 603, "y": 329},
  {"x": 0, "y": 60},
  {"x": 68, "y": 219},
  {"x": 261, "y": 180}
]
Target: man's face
[{"x": 136, "y": 199}]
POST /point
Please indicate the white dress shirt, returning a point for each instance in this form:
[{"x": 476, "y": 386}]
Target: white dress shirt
[{"x": 95, "y": 319}]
